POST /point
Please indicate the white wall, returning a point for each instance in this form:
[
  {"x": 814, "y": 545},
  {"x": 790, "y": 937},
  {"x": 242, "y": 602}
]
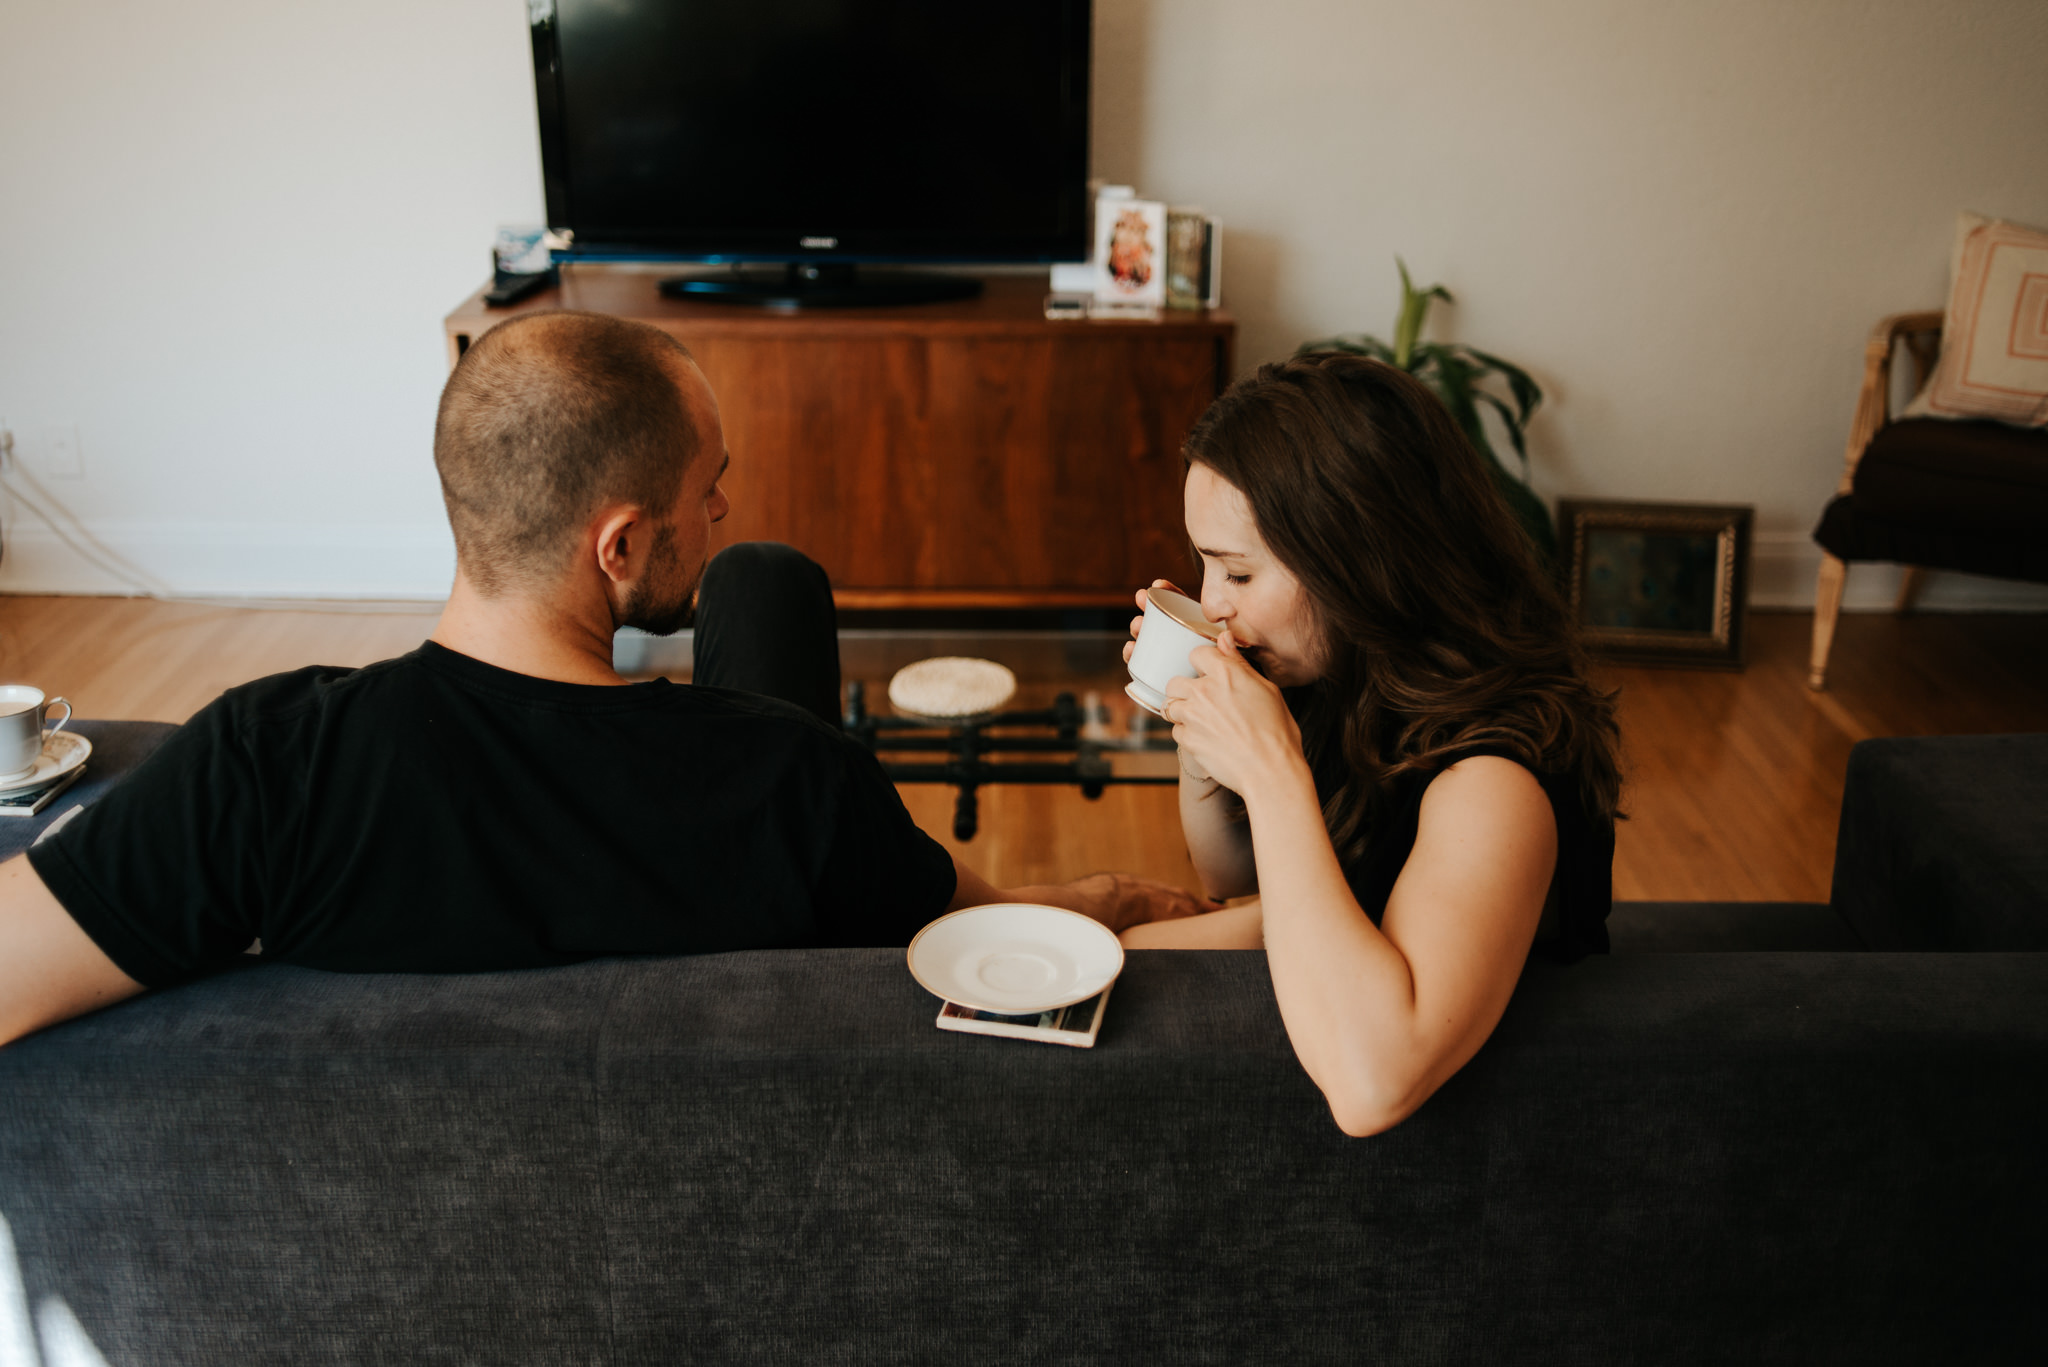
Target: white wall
[
  {"x": 1683, "y": 218},
  {"x": 228, "y": 233}
]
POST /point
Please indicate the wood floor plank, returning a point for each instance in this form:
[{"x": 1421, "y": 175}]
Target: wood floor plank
[
  {"x": 139, "y": 659},
  {"x": 1734, "y": 780}
]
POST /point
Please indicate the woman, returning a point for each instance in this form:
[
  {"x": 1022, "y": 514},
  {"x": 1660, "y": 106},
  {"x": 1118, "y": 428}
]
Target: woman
[{"x": 1393, "y": 744}]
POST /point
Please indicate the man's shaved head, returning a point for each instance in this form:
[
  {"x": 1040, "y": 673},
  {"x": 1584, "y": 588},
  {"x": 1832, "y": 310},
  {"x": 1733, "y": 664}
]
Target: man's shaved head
[{"x": 548, "y": 418}]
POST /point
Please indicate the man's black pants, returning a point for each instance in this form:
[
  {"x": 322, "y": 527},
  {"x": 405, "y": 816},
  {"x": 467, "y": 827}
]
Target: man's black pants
[{"x": 765, "y": 624}]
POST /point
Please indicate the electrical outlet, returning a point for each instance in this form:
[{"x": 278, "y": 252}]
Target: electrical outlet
[{"x": 62, "y": 456}]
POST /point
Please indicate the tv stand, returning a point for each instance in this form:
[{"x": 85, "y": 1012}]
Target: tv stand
[
  {"x": 957, "y": 456},
  {"x": 822, "y": 285}
]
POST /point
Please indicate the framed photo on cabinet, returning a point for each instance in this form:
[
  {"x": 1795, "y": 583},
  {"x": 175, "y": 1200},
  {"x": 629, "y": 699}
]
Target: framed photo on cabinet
[{"x": 1130, "y": 255}]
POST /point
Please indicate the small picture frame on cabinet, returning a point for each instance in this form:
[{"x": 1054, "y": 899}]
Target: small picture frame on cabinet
[
  {"x": 1657, "y": 583},
  {"x": 1130, "y": 254}
]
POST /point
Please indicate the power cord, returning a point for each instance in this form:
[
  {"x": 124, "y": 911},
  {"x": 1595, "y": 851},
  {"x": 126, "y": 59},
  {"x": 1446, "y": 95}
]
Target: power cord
[{"x": 138, "y": 581}]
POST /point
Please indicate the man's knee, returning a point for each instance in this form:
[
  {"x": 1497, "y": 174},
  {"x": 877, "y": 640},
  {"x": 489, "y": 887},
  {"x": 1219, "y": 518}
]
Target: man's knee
[{"x": 765, "y": 567}]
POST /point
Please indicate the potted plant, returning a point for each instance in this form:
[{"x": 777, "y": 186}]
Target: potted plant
[{"x": 1457, "y": 373}]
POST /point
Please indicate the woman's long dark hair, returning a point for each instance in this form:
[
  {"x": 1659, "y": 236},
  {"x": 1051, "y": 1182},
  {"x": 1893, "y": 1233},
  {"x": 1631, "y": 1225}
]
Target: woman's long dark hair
[{"x": 1438, "y": 628}]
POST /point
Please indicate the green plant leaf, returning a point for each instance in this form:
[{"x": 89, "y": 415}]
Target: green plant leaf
[
  {"x": 1351, "y": 343},
  {"x": 1414, "y": 312},
  {"x": 1527, "y": 394},
  {"x": 1454, "y": 376},
  {"x": 1514, "y": 429},
  {"x": 1451, "y": 376},
  {"x": 1457, "y": 374}
]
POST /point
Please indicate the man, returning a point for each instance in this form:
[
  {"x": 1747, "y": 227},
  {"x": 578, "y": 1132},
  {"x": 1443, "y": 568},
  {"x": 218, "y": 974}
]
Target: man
[{"x": 501, "y": 798}]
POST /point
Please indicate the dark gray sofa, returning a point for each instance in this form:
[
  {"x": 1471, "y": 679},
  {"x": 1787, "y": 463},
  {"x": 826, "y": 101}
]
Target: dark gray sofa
[{"x": 1786, "y": 1155}]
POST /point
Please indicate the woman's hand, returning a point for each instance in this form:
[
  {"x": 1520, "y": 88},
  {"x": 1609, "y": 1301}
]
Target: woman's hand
[
  {"x": 1145, "y": 601},
  {"x": 1232, "y": 720}
]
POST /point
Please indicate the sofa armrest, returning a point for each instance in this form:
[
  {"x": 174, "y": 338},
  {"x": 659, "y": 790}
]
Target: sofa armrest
[{"x": 1944, "y": 843}]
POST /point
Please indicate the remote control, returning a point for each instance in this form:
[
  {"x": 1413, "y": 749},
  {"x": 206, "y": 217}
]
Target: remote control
[{"x": 510, "y": 289}]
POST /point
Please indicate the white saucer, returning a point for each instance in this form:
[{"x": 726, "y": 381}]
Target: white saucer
[
  {"x": 1144, "y": 696},
  {"x": 62, "y": 753},
  {"x": 951, "y": 688},
  {"x": 1015, "y": 958}
]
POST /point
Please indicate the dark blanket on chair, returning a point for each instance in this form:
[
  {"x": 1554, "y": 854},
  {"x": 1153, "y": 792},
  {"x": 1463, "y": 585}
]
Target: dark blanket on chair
[{"x": 1969, "y": 496}]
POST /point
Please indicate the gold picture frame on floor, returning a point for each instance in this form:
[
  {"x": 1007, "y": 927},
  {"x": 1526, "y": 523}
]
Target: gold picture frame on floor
[{"x": 1657, "y": 583}]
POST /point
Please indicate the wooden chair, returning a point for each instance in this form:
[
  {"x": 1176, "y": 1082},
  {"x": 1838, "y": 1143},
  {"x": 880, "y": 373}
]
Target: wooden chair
[{"x": 1927, "y": 493}]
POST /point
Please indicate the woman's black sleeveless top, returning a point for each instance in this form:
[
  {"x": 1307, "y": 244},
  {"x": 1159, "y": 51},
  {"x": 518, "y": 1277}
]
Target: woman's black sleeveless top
[{"x": 1582, "y": 889}]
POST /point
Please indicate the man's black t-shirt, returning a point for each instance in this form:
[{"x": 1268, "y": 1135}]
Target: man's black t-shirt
[{"x": 437, "y": 814}]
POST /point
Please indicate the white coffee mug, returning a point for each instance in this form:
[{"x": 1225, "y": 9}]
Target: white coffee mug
[
  {"x": 1173, "y": 628},
  {"x": 22, "y": 709}
]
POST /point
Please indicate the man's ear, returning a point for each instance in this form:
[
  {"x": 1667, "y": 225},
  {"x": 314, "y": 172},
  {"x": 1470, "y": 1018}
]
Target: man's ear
[{"x": 620, "y": 538}]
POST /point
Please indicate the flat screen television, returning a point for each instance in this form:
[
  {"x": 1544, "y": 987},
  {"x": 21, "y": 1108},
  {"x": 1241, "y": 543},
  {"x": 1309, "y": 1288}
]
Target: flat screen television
[{"x": 817, "y": 135}]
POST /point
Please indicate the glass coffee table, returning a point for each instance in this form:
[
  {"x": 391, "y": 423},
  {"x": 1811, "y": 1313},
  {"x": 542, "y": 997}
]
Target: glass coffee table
[{"x": 1068, "y": 744}]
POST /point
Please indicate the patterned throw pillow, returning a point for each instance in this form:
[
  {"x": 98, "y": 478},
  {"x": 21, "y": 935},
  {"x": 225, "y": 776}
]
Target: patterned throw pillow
[{"x": 1994, "y": 340}]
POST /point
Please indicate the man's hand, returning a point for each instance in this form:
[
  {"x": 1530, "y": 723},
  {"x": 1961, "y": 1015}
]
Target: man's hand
[
  {"x": 1118, "y": 900},
  {"x": 1122, "y": 900}
]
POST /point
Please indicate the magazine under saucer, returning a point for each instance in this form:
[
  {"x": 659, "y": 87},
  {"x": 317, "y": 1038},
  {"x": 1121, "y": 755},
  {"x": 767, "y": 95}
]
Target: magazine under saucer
[
  {"x": 62, "y": 752},
  {"x": 1014, "y": 958}
]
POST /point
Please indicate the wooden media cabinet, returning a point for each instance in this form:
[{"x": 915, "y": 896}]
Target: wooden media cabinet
[{"x": 957, "y": 455}]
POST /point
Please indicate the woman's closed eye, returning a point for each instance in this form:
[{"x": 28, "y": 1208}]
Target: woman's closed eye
[{"x": 1237, "y": 579}]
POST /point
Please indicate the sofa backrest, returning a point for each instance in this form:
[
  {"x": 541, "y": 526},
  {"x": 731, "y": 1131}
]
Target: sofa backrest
[{"x": 775, "y": 1156}]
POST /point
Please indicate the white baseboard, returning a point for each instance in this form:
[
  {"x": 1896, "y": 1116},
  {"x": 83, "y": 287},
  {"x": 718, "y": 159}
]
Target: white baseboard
[
  {"x": 409, "y": 561},
  {"x": 1784, "y": 565},
  {"x": 238, "y": 560}
]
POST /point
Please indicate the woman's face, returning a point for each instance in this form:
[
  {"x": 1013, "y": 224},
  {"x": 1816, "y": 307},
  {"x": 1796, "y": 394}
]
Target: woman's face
[{"x": 1244, "y": 587}]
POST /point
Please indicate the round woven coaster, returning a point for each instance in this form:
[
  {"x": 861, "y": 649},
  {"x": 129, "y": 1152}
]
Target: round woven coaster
[{"x": 951, "y": 688}]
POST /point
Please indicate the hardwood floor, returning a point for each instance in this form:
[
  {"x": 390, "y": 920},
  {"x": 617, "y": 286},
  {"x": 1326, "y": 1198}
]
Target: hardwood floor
[
  {"x": 1734, "y": 780},
  {"x": 138, "y": 659}
]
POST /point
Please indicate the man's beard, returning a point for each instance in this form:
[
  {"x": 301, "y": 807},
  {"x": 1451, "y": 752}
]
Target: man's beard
[{"x": 661, "y": 603}]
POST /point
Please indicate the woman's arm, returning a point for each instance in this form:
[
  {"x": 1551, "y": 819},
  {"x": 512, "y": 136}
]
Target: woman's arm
[
  {"x": 1381, "y": 1016},
  {"x": 1211, "y": 816},
  {"x": 1212, "y": 821}
]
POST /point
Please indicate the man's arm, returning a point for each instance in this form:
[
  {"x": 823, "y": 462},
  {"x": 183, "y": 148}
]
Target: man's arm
[
  {"x": 1118, "y": 900},
  {"x": 50, "y": 970}
]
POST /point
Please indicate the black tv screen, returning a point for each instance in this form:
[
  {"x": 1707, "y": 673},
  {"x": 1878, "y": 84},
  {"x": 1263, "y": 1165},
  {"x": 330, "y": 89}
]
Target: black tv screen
[{"x": 836, "y": 130}]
